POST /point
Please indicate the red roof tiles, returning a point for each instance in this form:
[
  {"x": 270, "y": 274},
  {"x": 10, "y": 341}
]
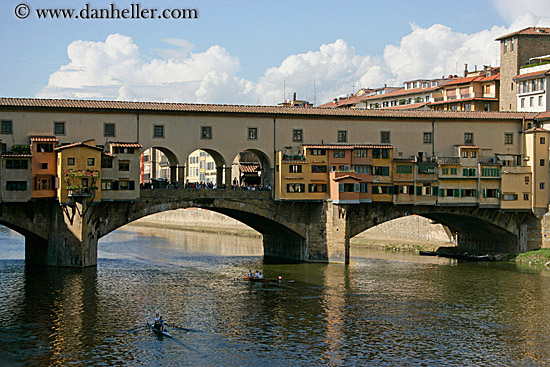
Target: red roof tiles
[
  {"x": 80, "y": 144},
  {"x": 43, "y": 138},
  {"x": 531, "y": 31},
  {"x": 84, "y": 105},
  {"x": 533, "y": 74},
  {"x": 125, "y": 145}
]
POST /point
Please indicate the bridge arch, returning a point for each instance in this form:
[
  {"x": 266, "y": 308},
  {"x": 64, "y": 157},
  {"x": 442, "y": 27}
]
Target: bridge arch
[
  {"x": 477, "y": 228},
  {"x": 281, "y": 238},
  {"x": 252, "y": 167},
  {"x": 158, "y": 162}
]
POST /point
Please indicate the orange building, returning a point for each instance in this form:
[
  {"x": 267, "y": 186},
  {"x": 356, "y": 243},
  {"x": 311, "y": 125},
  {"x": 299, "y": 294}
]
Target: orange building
[{"x": 44, "y": 170}]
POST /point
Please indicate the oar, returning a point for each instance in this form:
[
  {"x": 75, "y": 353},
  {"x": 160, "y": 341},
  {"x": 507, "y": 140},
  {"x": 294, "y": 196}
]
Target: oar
[{"x": 180, "y": 327}]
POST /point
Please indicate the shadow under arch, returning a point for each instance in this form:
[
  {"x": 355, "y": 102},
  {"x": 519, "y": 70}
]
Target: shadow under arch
[
  {"x": 280, "y": 239},
  {"x": 475, "y": 228}
]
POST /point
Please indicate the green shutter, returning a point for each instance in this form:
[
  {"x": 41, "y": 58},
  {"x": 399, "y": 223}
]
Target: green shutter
[
  {"x": 484, "y": 193},
  {"x": 435, "y": 190},
  {"x": 340, "y": 187},
  {"x": 498, "y": 193},
  {"x": 356, "y": 187},
  {"x": 462, "y": 193},
  {"x": 456, "y": 193},
  {"x": 442, "y": 192},
  {"x": 475, "y": 193},
  {"x": 419, "y": 190}
]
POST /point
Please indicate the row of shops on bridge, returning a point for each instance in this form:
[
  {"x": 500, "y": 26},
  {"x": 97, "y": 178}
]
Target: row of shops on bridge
[
  {"x": 366, "y": 173},
  {"x": 43, "y": 169}
]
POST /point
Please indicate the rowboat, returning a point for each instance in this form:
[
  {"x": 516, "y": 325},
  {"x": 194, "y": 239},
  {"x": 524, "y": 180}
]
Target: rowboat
[
  {"x": 256, "y": 280},
  {"x": 158, "y": 332}
]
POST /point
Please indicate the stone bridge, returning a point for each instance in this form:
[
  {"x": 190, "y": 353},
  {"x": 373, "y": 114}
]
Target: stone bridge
[{"x": 304, "y": 231}]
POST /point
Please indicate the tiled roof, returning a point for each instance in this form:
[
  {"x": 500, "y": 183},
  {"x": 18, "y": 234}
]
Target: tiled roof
[
  {"x": 79, "y": 144},
  {"x": 108, "y": 154},
  {"x": 345, "y": 177},
  {"x": 477, "y": 79},
  {"x": 536, "y": 129},
  {"x": 465, "y": 100},
  {"x": 345, "y": 146},
  {"x": 43, "y": 138},
  {"x": 341, "y": 103},
  {"x": 83, "y": 105},
  {"x": 14, "y": 155},
  {"x": 543, "y": 115},
  {"x": 533, "y": 74},
  {"x": 249, "y": 167},
  {"x": 531, "y": 31},
  {"x": 402, "y": 92},
  {"x": 467, "y": 146},
  {"x": 125, "y": 145}
]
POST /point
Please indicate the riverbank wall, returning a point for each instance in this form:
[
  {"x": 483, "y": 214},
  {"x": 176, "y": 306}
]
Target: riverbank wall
[{"x": 413, "y": 231}]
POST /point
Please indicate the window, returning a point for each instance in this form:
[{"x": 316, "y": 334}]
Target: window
[
  {"x": 158, "y": 131},
  {"x": 106, "y": 185},
  {"x": 44, "y": 148},
  {"x": 531, "y": 101},
  {"x": 17, "y": 164},
  {"x": 522, "y": 102},
  {"x": 464, "y": 154},
  {"x": 468, "y": 138},
  {"x": 384, "y": 137},
  {"x": 468, "y": 172},
  {"x": 543, "y": 140},
  {"x": 295, "y": 187},
  {"x": 541, "y": 163},
  {"x": 403, "y": 169},
  {"x": 297, "y": 135},
  {"x": 487, "y": 107},
  {"x": 540, "y": 100},
  {"x": 505, "y": 46},
  {"x": 381, "y": 171},
  {"x": 541, "y": 185},
  {"x": 382, "y": 189},
  {"x": 295, "y": 168},
  {"x": 525, "y": 196},
  {"x": 348, "y": 187},
  {"x": 509, "y": 197},
  {"x": 342, "y": 136},
  {"x": 490, "y": 172},
  {"x": 339, "y": 154},
  {"x": 381, "y": 153},
  {"x": 468, "y": 107},
  {"x": 44, "y": 184},
  {"x": 427, "y": 139},
  {"x": 16, "y": 185},
  {"x": 59, "y": 128},
  {"x": 444, "y": 171},
  {"x": 317, "y": 188},
  {"x": 362, "y": 170},
  {"x": 508, "y": 138},
  {"x": 454, "y": 171},
  {"x": 206, "y": 132},
  {"x": 7, "y": 127},
  {"x": 91, "y": 162},
  {"x": 124, "y": 166},
  {"x": 360, "y": 153},
  {"x": 315, "y": 168},
  {"x": 252, "y": 133},
  {"x": 126, "y": 185},
  {"x": 318, "y": 151},
  {"x": 108, "y": 129},
  {"x": 106, "y": 162},
  {"x": 70, "y": 161},
  {"x": 44, "y": 166},
  {"x": 473, "y": 154},
  {"x": 526, "y": 179},
  {"x": 512, "y": 44}
]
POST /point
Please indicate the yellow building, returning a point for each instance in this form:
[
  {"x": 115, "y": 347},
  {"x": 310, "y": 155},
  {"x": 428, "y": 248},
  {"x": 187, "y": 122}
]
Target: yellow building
[{"x": 78, "y": 170}]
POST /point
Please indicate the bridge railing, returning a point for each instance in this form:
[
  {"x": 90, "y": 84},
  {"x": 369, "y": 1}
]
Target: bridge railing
[{"x": 191, "y": 194}]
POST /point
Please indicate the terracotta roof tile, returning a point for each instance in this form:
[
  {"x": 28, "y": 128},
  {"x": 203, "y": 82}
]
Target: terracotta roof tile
[
  {"x": 465, "y": 100},
  {"x": 533, "y": 74},
  {"x": 467, "y": 146},
  {"x": 249, "y": 167},
  {"x": 84, "y": 105},
  {"x": 43, "y": 138},
  {"x": 411, "y": 106},
  {"x": 125, "y": 145},
  {"x": 536, "y": 129},
  {"x": 531, "y": 31},
  {"x": 345, "y": 177},
  {"x": 76, "y": 145},
  {"x": 14, "y": 155}
]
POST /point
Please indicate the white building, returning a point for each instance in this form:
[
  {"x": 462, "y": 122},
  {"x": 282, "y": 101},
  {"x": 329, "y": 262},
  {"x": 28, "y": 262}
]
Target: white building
[{"x": 532, "y": 85}]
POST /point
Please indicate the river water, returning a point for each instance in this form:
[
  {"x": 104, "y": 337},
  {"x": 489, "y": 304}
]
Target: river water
[{"x": 382, "y": 310}]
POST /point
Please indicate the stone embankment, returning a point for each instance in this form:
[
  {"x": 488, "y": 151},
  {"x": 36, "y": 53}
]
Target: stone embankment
[{"x": 410, "y": 232}]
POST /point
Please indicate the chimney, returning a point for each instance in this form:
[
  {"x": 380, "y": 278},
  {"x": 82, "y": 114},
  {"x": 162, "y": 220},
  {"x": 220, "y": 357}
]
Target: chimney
[
  {"x": 294, "y": 96},
  {"x": 465, "y": 70}
]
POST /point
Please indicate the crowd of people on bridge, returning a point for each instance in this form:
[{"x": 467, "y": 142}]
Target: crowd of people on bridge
[{"x": 207, "y": 185}]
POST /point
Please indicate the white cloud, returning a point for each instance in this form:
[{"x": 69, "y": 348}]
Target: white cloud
[{"x": 115, "y": 69}]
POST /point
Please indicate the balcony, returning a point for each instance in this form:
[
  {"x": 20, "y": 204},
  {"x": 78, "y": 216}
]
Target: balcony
[{"x": 448, "y": 160}]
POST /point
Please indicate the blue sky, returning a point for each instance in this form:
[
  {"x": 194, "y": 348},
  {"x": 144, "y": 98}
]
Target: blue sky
[{"x": 251, "y": 52}]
